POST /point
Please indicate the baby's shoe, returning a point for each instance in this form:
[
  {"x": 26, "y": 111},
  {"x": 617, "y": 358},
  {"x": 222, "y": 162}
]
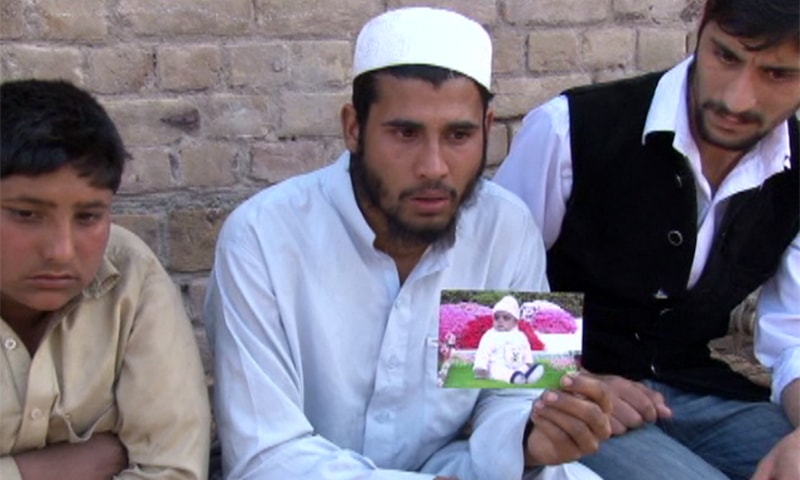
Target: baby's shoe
[{"x": 535, "y": 373}]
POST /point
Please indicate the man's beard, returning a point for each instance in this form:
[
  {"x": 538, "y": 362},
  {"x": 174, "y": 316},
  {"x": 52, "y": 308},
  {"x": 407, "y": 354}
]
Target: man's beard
[
  {"x": 699, "y": 107},
  {"x": 367, "y": 181},
  {"x": 739, "y": 145}
]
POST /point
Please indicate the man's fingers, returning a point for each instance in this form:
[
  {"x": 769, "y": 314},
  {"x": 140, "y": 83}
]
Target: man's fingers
[
  {"x": 655, "y": 406},
  {"x": 626, "y": 415},
  {"x": 617, "y": 427},
  {"x": 648, "y": 403},
  {"x": 581, "y": 419},
  {"x": 591, "y": 388},
  {"x": 548, "y": 444},
  {"x": 578, "y": 434}
]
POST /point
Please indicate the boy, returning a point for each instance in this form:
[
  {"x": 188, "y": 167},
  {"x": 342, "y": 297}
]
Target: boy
[{"x": 100, "y": 375}]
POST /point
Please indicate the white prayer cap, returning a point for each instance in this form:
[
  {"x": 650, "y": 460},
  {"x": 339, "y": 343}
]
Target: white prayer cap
[
  {"x": 425, "y": 36},
  {"x": 507, "y": 304}
]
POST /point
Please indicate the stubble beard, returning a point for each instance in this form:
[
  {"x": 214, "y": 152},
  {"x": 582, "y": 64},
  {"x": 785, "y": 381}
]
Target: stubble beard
[
  {"x": 701, "y": 107},
  {"x": 737, "y": 145}
]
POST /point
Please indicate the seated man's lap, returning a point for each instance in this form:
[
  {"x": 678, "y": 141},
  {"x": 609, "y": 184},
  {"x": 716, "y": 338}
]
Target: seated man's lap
[
  {"x": 708, "y": 437},
  {"x": 733, "y": 435},
  {"x": 647, "y": 453}
]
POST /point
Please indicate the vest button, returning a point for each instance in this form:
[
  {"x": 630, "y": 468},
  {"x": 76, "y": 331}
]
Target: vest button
[
  {"x": 675, "y": 238},
  {"x": 678, "y": 181},
  {"x": 660, "y": 294}
]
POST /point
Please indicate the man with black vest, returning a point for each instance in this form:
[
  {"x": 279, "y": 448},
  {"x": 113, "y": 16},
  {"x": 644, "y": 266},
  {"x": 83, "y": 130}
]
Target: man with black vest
[{"x": 667, "y": 199}]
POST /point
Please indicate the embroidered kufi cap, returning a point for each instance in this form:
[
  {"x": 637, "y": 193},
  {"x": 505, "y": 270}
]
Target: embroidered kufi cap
[
  {"x": 507, "y": 304},
  {"x": 425, "y": 36}
]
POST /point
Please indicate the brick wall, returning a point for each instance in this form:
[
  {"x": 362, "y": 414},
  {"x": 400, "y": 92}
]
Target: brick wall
[{"x": 217, "y": 99}]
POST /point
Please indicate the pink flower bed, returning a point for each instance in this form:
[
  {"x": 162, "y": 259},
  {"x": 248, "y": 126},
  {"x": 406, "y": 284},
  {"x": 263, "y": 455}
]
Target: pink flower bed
[
  {"x": 454, "y": 317},
  {"x": 547, "y": 317}
]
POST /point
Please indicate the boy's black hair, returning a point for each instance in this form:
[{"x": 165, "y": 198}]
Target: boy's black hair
[
  {"x": 47, "y": 124},
  {"x": 768, "y": 22}
]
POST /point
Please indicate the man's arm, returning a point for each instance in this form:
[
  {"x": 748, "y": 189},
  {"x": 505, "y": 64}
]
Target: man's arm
[
  {"x": 99, "y": 458},
  {"x": 777, "y": 346},
  {"x": 783, "y": 461},
  {"x": 538, "y": 168},
  {"x": 258, "y": 392},
  {"x": 777, "y": 337},
  {"x": 791, "y": 402}
]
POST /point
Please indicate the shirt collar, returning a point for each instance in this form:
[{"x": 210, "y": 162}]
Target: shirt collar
[
  {"x": 669, "y": 113},
  {"x": 104, "y": 280}
]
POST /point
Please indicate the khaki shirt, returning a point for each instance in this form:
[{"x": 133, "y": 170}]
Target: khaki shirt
[{"x": 122, "y": 358}]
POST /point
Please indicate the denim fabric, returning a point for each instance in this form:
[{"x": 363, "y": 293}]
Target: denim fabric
[{"x": 707, "y": 438}]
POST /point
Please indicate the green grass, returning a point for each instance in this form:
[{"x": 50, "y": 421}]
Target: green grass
[{"x": 460, "y": 376}]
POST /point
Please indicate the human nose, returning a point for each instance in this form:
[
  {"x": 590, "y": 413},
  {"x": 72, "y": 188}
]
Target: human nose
[
  {"x": 431, "y": 163},
  {"x": 59, "y": 244},
  {"x": 739, "y": 96}
]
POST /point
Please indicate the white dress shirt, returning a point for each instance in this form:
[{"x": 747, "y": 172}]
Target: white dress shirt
[
  {"x": 539, "y": 170},
  {"x": 326, "y": 365}
]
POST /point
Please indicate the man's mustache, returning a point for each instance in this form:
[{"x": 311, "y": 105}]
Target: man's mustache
[
  {"x": 431, "y": 185},
  {"x": 720, "y": 109}
]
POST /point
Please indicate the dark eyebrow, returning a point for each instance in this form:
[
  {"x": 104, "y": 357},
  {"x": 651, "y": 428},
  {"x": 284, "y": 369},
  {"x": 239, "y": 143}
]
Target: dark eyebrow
[
  {"x": 774, "y": 68},
  {"x": 458, "y": 125},
  {"x": 782, "y": 69},
  {"x": 38, "y": 202},
  {"x": 728, "y": 50},
  {"x": 402, "y": 123},
  {"x": 464, "y": 125}
]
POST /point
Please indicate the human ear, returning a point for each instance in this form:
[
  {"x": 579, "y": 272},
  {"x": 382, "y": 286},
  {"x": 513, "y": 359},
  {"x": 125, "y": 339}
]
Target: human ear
[{"x": 350, "y": 127}]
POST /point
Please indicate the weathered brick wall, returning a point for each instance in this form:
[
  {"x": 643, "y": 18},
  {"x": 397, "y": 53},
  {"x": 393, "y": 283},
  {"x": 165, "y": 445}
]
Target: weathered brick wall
[{"x": 217, "y": 99}]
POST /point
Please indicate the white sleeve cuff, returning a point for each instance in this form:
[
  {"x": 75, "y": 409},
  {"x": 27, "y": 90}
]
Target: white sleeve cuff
[{"x": 785, "y": 370}]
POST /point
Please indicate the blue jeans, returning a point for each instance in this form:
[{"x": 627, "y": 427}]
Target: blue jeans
[{"x": 707, "y": 438}]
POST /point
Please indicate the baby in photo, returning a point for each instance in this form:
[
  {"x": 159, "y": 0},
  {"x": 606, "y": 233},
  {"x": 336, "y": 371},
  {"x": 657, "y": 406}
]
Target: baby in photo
[{"x": 504, "y": 352}]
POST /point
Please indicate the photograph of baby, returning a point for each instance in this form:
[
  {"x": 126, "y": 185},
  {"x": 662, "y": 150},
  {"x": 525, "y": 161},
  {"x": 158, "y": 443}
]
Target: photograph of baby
[{"x": 505, "y": 339}]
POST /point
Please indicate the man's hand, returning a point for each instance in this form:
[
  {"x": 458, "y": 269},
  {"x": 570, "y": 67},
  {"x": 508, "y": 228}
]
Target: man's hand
[
  {"x": 634, "y": 404},
  {"x": 569, "y": 423},
  {"x": 99, "y": 458},
  {"x": 783, "y": 461}
]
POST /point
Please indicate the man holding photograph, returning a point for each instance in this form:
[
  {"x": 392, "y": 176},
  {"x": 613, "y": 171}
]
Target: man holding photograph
[{"x": 324, "y": 295}]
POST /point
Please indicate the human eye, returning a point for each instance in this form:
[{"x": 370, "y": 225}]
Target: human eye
[
  {"x": 461, "y": 135},
  {"x": 781, "y": 74},
  {"x": 89, "y": 218},
  {"x": 22, "y": 215},
  {"x": 406, "y": 132},
  {"x": 725, "y": 56}
]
